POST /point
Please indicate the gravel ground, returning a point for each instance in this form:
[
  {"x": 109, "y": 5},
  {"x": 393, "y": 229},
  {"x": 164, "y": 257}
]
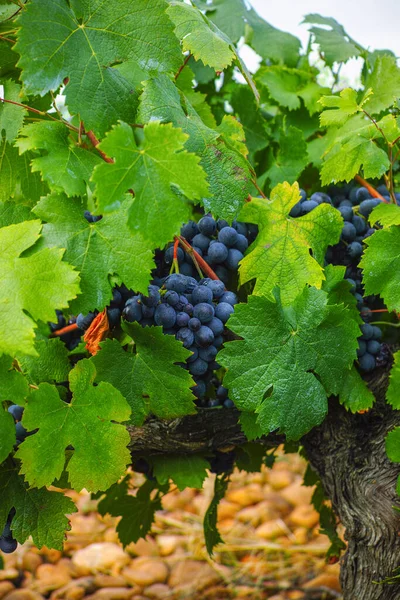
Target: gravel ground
[{"x": 273, "y": 549}]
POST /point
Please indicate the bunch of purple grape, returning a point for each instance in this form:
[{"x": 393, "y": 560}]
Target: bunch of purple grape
[
  {"x": 355, "y": 204},
  {"x": 192, "y": 308}
]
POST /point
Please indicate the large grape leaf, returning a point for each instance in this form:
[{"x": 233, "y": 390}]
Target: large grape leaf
[
  {"x": 51, "y": 363},
  {"x": 64, "y": 165},
  {"x": 354, "y": 393},
  {"x": 393, "y": 391},
  {"x": 291, "y": 159},
  {"x": 89, "y": 423},
  {"x": 39, "y": 512},
  {"x": 228, "y": 172},
  {"x": 335, "y": 43},
  {"x": 341, "y": 107},
  {"x": 97, "y": 250},
  {"x": 11, "y": 116},
  {"x": 150, "y": 379},
  {"x": 31, "y": 288},
  {"x": 353, "y": 151},
  {"x": 200, "y": 36},
  {"x": 385, "y": 214},
  {"x": 288, "y": 86},
  {"x": 13, "y": 385},
  {"x": 12, "y": 213},
  {"x": 7, "y": 437},
  {"x": 381, "y": 266},
  {"x": 184, "y": 470},
  {"x": 15, "y": 172},
  {"x": 281, "y": 253},
  {"x": 80, "y": 39},
  {"x": 385, "y": 84},
  {"x": 153, "y": 169},
  {"x": 254, "y": 125},
  {"x": 137, "y": 512},
  {"x": 289, "y": 359}
]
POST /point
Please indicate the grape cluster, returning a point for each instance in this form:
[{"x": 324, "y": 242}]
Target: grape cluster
[
  {"x": 72, "y": 338},
  {"x": 7, "y": 542},
  {"x": 355, "y": 204},
  {"x": 192, "y": 308},
  {"x": 20, "y": 432}
]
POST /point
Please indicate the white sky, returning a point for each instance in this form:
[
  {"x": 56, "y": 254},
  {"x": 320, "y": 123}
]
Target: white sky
[{"x": 371, "y": 23}]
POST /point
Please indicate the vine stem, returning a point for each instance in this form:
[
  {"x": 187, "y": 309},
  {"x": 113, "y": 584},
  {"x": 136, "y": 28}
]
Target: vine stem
[
  {"x": 259, "y": 190},
  {"x": 96, "y": 143},
  {"x": 380, "y": 310},
  {"x": 66, "y": 329},
  {"x": 374, "y": 193},
  {"x": 40, "y": 112},
  {"x": 202, "y": 263},
  {"x": 183, "y": 65},
  {"x": 175, "y": 264},
  {"x": 191, "y": 253}
]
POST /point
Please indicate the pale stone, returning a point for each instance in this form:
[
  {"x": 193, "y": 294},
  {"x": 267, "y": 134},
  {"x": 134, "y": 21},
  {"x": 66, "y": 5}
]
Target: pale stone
[
  {"x": 147, "y": 547},
  {"x": 301, "y": 535},
  {"x": 196, "y": 574},
  {"x": 297, "y": 494},
  {"x": 111, "y": 593},
  {"x": 304, "y": 516},
  {"x": 158, "y": 591},
  {"x": 23, "y": 595},
  {"x": 277, "y": 503},
  {"x": 5, "y": 588},
  {"x": 167, "y": 544},
  {"x": 270, "y": 530},
  {"x": 30, "y": 561},
  {"x": 245, "y": 496},
  {"x": 280, "y": 479},
  {"x": 227, "y": 509},
  {"x": 75, "y": 590},
  {"x": 110, "y": 581},
  {"x": 100, "y": 557},
  {"x": 145, "y": 571},
  {"x": 324, "y": 580},
  {"x": 8, "y": 574},
  {"x": 257, "y": 514},
  {"x": 51, "y": 577}
]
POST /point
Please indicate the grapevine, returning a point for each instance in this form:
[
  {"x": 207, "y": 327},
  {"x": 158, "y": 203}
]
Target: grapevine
[{"x": 182, "y": 239}]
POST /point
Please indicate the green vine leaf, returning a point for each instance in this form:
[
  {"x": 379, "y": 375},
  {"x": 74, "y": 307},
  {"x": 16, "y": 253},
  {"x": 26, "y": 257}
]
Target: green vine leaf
[
  {"x": 380, "y": 265},
  {"x": 227, "y": 170},
  {"x": 291, "y": 159},
  {"x": 11, "y": 116},
  {"x": 39, "y": 512},
  {"x": 281, "y": 253},
  {"x": 64, "y": 166},
  {"x": 271, "y": 370},
  {"x": 335, "y": 43},
  {"x": 94, "y": 414},
  {"x": 184, "y": 471},
  {"x": 137, "y": 512},
  {"x": 50, "y": 364},
  {"x": 38, "y": 283},
  {"x": 211, "y": 534},
  {"x": 80, "y": 40},
  {"x": 97, "y": 250},
  {"x": 154, "y": 169},
  {"x": 7, "y": 438},
  {"x": 149, "y": 379},
  {"x": 385, "y": 84},
  {"x": 392, "y": 394},
  {"x": 13, "y": 384},
  {"x": 200, "y": 36}
]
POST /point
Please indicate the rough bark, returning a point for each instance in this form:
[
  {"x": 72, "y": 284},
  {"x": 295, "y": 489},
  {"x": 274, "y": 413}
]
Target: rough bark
[{"x": 347, "y": 451}]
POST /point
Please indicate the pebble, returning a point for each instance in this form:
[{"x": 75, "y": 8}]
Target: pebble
[
  {"x": 167, "y": 544},
  {"x": 145, "y": 571},
  {"x": 158, "y": 591},
  {"x": 111, "y": 593},
  {"x": 75, "y": 590},
  {"x": 270, "y": 530},
  {"x": 5, "y": 588},
  {"x": 8, "y": 574},
  {"x": 245, "y": 496},
  {"x": 197, "y": 574},
  {"x": 297, "y": 494},
  {"x": 304, "y": 516},
  {"x": 100, "y": 557},
  {"x": 113, "y": 581},
  {"x": 280, "y": 479},
  {"x": 227, "y": 509},
  {"x": 147, "y": 547},
  {"x": 23, "y": 595},
  {"x": 324, "y": 580},
  {"x": 51, "y": 577},
  {"x": 30, "y": 561}
]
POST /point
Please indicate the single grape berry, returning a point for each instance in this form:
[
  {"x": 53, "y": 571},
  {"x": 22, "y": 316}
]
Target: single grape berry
[
  {"x": 218, "y": 253},
  {"x": 223, "y": 311},
  {"x": 165, "y": 315},
  {"x": 16, "y": 411},
  {"x": 207, "y": 225}
]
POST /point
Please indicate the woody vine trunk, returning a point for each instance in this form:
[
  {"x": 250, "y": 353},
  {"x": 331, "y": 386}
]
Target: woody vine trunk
[{"x": 348, "y": 452}]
